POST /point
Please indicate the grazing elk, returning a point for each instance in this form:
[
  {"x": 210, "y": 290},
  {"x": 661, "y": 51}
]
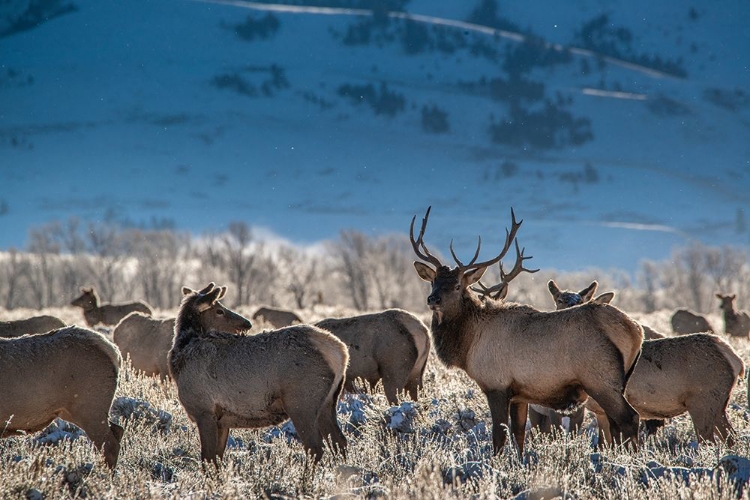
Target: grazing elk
[
  {"x": 279, "y": 318},
  {"x": 69, "y": 373},
  {"x": 391, "y": 345},
  {"x": 107, "y": 314},
  {"x": 226, "y": 381},
  {"x": 736, "y": 323},
  {"x": 585, "y": 351},
  {"x": 671, "y": 379},
  {"x": 147, "y": 341},
  {"x": 29, "y": 326},
  {"x": 686, "y": 322}
]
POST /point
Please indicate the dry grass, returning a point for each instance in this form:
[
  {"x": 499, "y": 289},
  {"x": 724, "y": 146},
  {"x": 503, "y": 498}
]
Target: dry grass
[{"x": 442, "y": 450}]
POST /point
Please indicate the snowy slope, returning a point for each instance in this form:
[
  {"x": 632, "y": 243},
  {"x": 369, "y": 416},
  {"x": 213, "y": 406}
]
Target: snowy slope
[{"x": 133, "y": 110}]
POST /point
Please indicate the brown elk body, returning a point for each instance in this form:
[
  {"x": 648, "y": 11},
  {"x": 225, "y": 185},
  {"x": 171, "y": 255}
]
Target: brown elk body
[
  {"x": 279, "y": 318},
  {"x": 29, "y": 326},
  {"x": 670, "y": 379},
  {"x": 586, "y": 351},
  {"x": 229, "y": 381},
  {"x": 392, "y": 345},
  {"x": 107, "y": 314},
  {"x": 70, "y": 373},
  {"x": 736, "y": 323},
  {"x": 147, "y": 341},
  {"x": 686, "y": 322}
]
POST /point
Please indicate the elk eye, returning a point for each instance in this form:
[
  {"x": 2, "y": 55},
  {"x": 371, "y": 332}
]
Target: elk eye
[
  {"x": 220, "y": 312},
  {"x": 458, "y": 287}
]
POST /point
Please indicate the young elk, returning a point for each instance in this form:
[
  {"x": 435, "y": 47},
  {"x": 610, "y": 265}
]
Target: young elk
[
  {"x": 736, "y": 323},
  {"x": 279, "y": 318},
  {"x": 671, "y": 379},
  {"x": 107, "y": 314},
  {"x": 29, "y": 326},
  {"x": 147, "y": 341},
  {"x": 226, "y": 381},
  {"x": 69, "y": 373},
  {"x": 519, "y": 355},
  {"x": 391, "y": 345},
  {"x": 686, "y": 322}
]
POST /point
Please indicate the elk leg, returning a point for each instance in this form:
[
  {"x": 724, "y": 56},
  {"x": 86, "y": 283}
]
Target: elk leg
[
  {"x": 223, "y": 437},
  {"x": 603, "y": 430},
  {"x": 208, "y": 430},
  {"x": 518, "y": 413},
  {"x": 539, "y": 420},
  {"x": 329, "y": 428},
  {"x": 623, "y": 419},
  {"x": 652, "y": 426},
  {"x": 498, "y": 401},
  {"x": 576, "y": 420}
]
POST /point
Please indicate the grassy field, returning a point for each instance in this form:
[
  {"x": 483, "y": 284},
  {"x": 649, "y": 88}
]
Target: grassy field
[{"x": 437, "y": 447}]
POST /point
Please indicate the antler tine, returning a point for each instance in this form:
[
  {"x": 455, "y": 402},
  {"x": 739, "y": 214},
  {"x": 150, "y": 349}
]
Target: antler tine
[
  {"x": 517, "y": 267},
  {"x": 510, "y": 236},
  {"x": 461, "y": 265},
  {"x": 485, "y": 290},
  {"x": 419, "y": 243}
]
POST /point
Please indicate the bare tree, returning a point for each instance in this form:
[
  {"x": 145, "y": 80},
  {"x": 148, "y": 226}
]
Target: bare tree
[
  {"x": 12, "y": 271},
  {"x": 301, "y": 272}
]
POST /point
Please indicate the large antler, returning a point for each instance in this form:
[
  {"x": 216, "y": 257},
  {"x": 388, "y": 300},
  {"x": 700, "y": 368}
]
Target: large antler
[
  {"x": 501, "y": 289},
  {"x": 419, "y": 243},
  {"x": 510, "y": 236}
]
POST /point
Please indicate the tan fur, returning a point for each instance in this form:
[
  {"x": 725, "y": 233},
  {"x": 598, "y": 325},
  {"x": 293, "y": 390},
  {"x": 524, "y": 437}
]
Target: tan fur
[
  {"x": 70, "y": 373},
  {"x": 279, "y": 318},
  {"x": 692, "y": 373},
  {"x": 36, "y": 324},
  {"x": 229, "y": 381},
  {"x": 107, "y": 314},
  {"x": 147, "y": 341},
  {"x": 686, "y": 322},
  {"x": 736, "y": 323},
  {"x": 391, "y": 346}
]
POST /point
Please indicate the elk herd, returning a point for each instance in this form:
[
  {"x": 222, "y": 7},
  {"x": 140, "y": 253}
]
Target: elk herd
[{"x": 541, "y": 366}]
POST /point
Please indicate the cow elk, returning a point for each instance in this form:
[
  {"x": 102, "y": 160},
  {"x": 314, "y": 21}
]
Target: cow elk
[
  {"x": 736, "y": 323},
  {"x": 686, "y": 322},
  {"x": 586, "y": 351},
  {"x": 30, "y": 326},
  {"x": 278, "y": 318},
  {"x": 671, "y": 379},
  {"x": 147, "y": 341},
  {"x": 70, "y": 373},
  {"x": 391, "y": 346},
  {"x": 229, "y": 381},
  {"x": 107, "y": 314}
]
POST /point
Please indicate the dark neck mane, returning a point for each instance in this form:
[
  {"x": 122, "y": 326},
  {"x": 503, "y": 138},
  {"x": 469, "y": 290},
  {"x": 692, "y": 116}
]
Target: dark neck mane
[{"x": 455, "y": 335}]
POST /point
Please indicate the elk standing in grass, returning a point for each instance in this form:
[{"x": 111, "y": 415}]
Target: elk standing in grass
[
  {"x": 692, "y": 373},
  {"x": 736, "y": 323},
  {"x": 516, "y": 354},
  {"x": 107, "y": 314},
  {"x": 391, "y": 345},
  {"x": 69, "y": 373},
  {"x": 226, "y": 381},
  {"x": 686, "y": 322},
  {"x": 29, "y": 326},
  {"x": 279, "y": 318},
  {"x": 147, "y": 341}
]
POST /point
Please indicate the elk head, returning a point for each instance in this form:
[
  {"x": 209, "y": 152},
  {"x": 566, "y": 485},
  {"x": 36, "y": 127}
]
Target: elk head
[
  {"x": 565, "y": 298},
  {"x": 727, "y": 301},
  {"x": 211, "y": 314},
  {"x": 87, "y": 300},
  {"x": 451, "y": 286}
]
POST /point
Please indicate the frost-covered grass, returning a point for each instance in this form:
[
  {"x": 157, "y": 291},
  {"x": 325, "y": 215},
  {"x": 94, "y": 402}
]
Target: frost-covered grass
[{"x": 437, "y": 447}]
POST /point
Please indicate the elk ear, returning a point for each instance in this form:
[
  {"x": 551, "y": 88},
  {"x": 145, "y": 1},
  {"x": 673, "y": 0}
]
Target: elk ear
[
  {"x": 223, "y": 291},
  {"x": 588, "y": 292},
  {"x": 605, "y": 298},
  {"x": 187, "y": 291},
  {"x": 424, "y": 271},
  {"x": 207, "y": 289},
  {"x": 471, "y": 277},
  {"x": 553, "y": 288},
  {"x": 733, "y": 296},
  {"x": 212, "y": 296},
  {"x": 719, "y": 296}
]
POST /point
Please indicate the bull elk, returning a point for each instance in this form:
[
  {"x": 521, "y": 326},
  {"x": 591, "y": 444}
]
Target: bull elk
[
  {"x": 670, "y": 379},
  {"x": 519, "y": 355}
]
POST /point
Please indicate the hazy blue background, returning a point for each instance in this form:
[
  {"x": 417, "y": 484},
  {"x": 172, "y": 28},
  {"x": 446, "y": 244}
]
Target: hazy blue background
[{"x": 617, "y": 130}]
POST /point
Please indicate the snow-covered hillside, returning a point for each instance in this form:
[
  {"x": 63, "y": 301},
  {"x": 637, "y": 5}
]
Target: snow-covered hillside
[{"x": 623, "y": 136}]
